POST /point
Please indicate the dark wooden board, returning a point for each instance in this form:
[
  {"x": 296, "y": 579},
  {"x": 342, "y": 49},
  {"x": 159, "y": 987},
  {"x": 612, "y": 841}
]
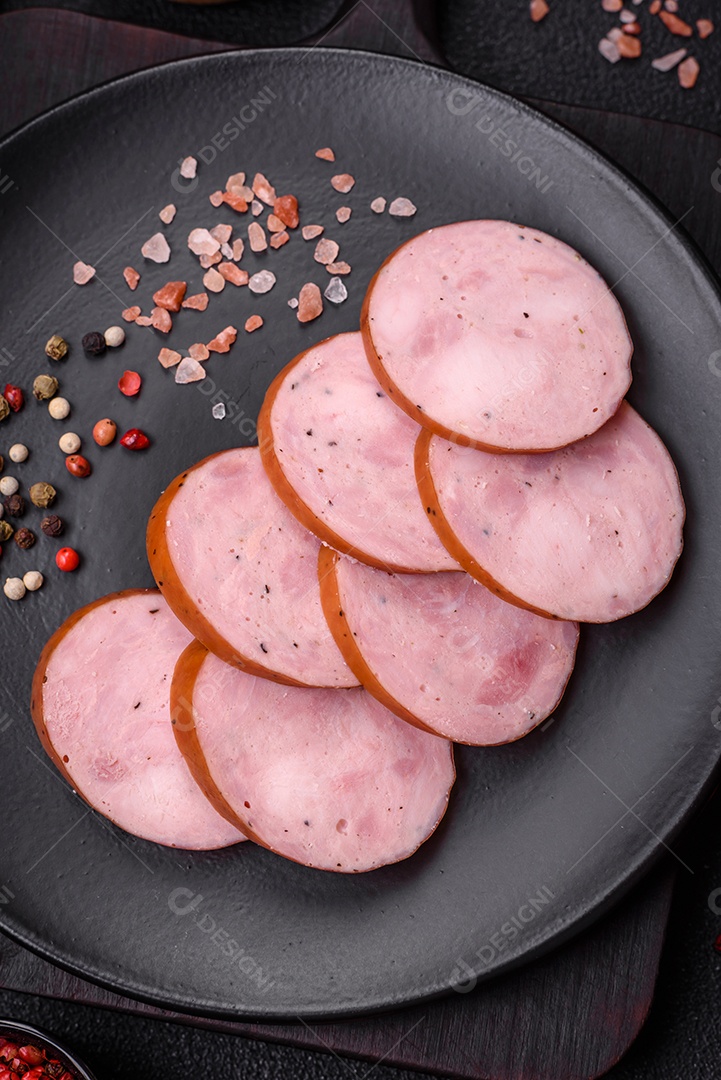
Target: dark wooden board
[{"x": 511, "y": 1026}]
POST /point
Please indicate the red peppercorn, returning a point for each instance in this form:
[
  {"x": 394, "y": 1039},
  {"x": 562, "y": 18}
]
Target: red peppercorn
[
  {"x": 129, "y": 383},
  {"x": 77, "y": 465},
  {"x": 67, "y": 559},
  {"x": 14, "y": 397},
  {"x": 135, "y": 439},
  {"x": 31, "y": 1054}
]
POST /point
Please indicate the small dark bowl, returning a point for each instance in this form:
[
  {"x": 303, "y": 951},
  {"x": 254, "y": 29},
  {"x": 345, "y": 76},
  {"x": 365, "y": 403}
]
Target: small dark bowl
[{"x": 24, "y": 1034}]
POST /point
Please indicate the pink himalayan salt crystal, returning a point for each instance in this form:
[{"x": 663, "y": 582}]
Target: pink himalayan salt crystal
[
  {"x": 235, "y": 183},
  {"x": 293, "y": 302},
  {"x": 238, "y": 248},
  {"x": 343, "y": 213},
  {"x": 216, "y": 198},
  {"x": 275, "y": 224},
  {"x": 83, "y": 273},
  {"x": 143, "y": 320},
  {"x": 256, "y": 237},
  {"x": 206, "y": 261},
  {"x": 226, "y": 251},
  {"x": 611, "y": 5},
  {"x": 343, "y": 183},
  {"x": 262, "y": 282},
  {"x": 201, "y": 242},
  {"x": 161, "y": 319},
  {"x": 326, "y": 154},
  {"x": 326, "y": 251},
  {"x": 309, "y": 232},
  {"x": 253, "y": 323},
  {"x": 705, "y": 27},
  {"x": 256, "y": 208},
  {"x": 221, "y": 342},
  {"x": 539, "y": 9},
  {"x": 169, "y": 357},
  {"x": 278, "y": 239},
  {"x": 264, "y": 190},
  {"x": 609, "y": 50},
  {"x": 213, "y": 281},
  {"x": 688, "y": 72},
  {"x": 310, "y": 303},
  {"x": 338, "y": 268},
  {"x": 401, "y": 208},
  {"x": 130, "y": 314},
  {"x": 198, "y": 351},
  {"x": 156, "y": 249},
  {"x": 378, "y": 205},
  {"x": 167, "y": 214},
  {"x": 189, "y": 168},
  {"x": 132, "y": 277},
  {"x": 221, "y": 233},
  {"x": 233, "y": 273},
  {"x": 669, "y": 61},
  {"x": 189, "y": 370},
  {"x": 198, "y": 302}
]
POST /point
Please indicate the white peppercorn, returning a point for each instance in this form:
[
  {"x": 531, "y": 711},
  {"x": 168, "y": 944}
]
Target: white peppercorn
[
  {"x": 69, "y": 443},
  {"x": 114, "y": 336},
  {"x": 14, "y": 588},
  {"x": 33, "y": 580},
  {"x": 8, "y": 485},
  {"x": 18, "y": 452},
  {"x": 59, "y": 408}
]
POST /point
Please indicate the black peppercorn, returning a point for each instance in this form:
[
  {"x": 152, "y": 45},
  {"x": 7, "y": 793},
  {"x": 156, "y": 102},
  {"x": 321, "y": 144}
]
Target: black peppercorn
[
  {"x": 94, "y": 343},
  {"x": 14, "y": 505},
  {"x": 52, "y": 525},
  {"x": 24, "y": 538}
]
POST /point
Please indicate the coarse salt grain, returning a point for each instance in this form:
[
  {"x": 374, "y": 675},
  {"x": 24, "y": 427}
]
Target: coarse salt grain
[
  {"x": 274, "y": 224},
  {"x": 198, "y": 351},
  {"x": 688, "y": 72},
  {"x": 169, "y": 357},
  {"x": 156, "y": 249},
  {"x": 188, "y": 371},
  {"x": 256, "y": 237},
  {"x": 206, "y": 261},
  {"x": 326, "y": 154},
  {"x": 216, "y": 198},
  {"x": 343, "y": 213},
  {"x": 143, "y": 320},
  {"x": 218, "y": 411},
  {"x": 201, "y": 242},
  {"x": 188, "y": 168},
  {"x": 378, "y": 205},
  {"x": 263, "y": 188},
  {"x": 262, "y": 282},
  {"x": 167, "y": 214},
  {"x": 293, "y": 302},
  {"x": 326, "y": 251},
  {"x": 278, "y": 239},
  {"x": 608, "y": 50},
  {"x": 132, "y": 277},
  {"x": 213, "y": 281},
  {"x": 130, "y": 314},
  {"x": 402, "y": 208},
  {"x": 233, "y": 273},
  {"x": 670, "y": 5},
  {"x": 343, "y": 183},
  {"x": 704, "y": 27},
  {"x": 310, "y": 303},
  {"x": 235, "y": 202},
  {"x": 253, "y": 323},
  {"x": 221, "y": 342},
  {"x": 160, "y": 319},
  {"x": 83, "y": 273},
  {"x": 611, "y": 5},
  {"x": 256, "y": 208},
  {"x": 669, "y": 61},
  {"x": 221, "y": 233},
  {"x": 238, "y": 248},
  {"x": 338, "y": 268},
  {"x": 309, "y": 232},
  {"x": 234, "y": 182},
  {"x": 171, "y": 295},
  {"x": 226, "y": 251},
  {"x": 538, "y": 9},
  {"x": 674, "y": 24},
  {"x": 336, "y": 291},
  {"x": 197, "y": 302},
  {"x": 629, "y": 47},
  {"x": 627, "y": 17}
]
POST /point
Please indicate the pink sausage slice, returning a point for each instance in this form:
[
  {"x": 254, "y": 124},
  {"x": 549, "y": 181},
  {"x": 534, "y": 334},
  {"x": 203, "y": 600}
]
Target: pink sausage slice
[
  {"x": 327, "y": 778},
  {"x": 591, "y": 532},
  {"x": 497, "y": 336},
  {"x": 101, "y": 705},
  {"x": 340, "y": 455},
  {"x": 241, "y": 573},
  {"x": 445, "y": 653}
]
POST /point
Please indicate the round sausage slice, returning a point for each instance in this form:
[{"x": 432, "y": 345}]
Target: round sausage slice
[
  {"x": 590, "y": 532},
  {"x": 327, "y": 778},
  {"x": 446, "y": 654},
  {"x": 497, "y": 336},
  {"x": 101, "y": 705},
  {"x": 241, "y": 573},
  {"x": 340, "y": 454}
]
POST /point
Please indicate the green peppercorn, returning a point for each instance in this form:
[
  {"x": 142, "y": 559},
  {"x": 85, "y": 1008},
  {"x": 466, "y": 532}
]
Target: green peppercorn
[
  {"x": 24, "y": 538},
  {"x": 45, "y": 387},
  {"x": 4, "y": 408},
  {"x": 6, "y": 531},
  {"x": 57, "y": 348},
  {"x": 42, "y": 495}
]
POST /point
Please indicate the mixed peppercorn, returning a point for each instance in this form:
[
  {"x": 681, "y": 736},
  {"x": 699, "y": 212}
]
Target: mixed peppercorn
[{"x": 30, "y": 1062}]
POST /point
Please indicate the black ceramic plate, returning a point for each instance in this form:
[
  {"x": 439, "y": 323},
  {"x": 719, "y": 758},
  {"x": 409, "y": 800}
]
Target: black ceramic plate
[{"x": 540, "y": 836}]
